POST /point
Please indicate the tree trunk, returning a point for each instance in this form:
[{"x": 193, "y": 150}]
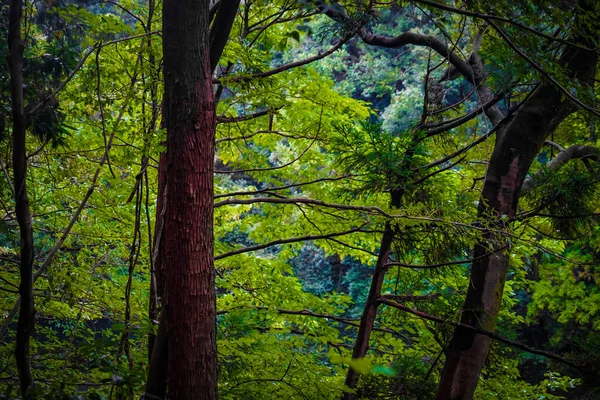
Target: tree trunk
[
  {"x": 367, "y": 320},
  {"x": 25, "y": 324},
  {"x": 188, "y": 224},
  {"x": 156, "y": 385},
  {"x": 218, "y": 35},
  {"x": 157, "y": 271},
  {"x": 520, "y": 140},
  {"x": 369, "y": 314}
]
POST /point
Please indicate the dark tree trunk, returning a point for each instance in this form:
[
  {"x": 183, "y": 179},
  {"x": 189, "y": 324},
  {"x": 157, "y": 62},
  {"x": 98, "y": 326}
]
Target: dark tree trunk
[
  {"x": 520, "y": 140},
  {"x": 188, "y": 225},
  {"x": 157, "y": 273},
  {"x": 25, "y": 324},
  {"x": 367, "y": 320},
  {"x": 153, "y": 305},
  {"x": 220, "y": 29},
  {"x": 189, "y": 114},
  {"x": 156, "y": 385}
]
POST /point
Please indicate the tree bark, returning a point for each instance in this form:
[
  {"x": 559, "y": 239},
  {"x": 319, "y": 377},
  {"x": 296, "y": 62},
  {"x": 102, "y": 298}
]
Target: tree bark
[
  {"x": 218, "y": 35},
  {"x": 188, "y": 225},
  {"x": 220, "y": 29},
  {"x": 519, "y": 141},
  {"x": 156, "y": 385},
  {"x": 367, "y": 320},
  {"x": 25, "y": 324}
]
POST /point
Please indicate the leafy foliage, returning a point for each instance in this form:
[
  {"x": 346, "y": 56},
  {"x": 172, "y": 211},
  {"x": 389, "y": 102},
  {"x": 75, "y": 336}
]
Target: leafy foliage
[{"x": 301, "y": 157}]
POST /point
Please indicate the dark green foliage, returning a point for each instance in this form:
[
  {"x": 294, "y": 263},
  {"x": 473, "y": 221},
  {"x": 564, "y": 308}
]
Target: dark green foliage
[
  {"x": 566, "y": 197},
  {"x": 408, "y": 381},
  {"x": 381, "y": 159}
]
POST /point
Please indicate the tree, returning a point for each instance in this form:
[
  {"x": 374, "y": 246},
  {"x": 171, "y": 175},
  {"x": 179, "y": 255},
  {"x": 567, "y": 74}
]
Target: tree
[
  {"x": 188, "y": 209},
  {"x": 519, "y": 140},
  {"x": 348, "y": 153},
  {"x": 26, "y": 311}
]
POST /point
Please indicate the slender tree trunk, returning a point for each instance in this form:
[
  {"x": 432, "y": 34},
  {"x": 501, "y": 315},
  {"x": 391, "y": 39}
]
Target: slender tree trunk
[
  {"x": 156, "y": 385},
  {"x": 188, "y": 224},
  {"x": 519, "y": 142},
  {"x": 25, "y": 324},
  {"x": 153, "y": 305},
  {"x": 367, "y": 320},
  {"x": 157, "y": 272}
]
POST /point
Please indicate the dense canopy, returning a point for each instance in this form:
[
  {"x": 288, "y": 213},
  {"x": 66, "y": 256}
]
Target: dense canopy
[{"x": 299, "y": 199}]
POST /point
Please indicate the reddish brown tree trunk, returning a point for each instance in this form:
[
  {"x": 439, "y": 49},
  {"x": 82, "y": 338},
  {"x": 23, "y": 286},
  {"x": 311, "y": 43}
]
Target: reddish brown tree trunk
[
  {"x": 367, "y": 321},
  {"x": 189, "y": 117},
  {"x": 25, "y": 324},
  {"x": 519, "y": 142},
  {"x": 156, "y": 384}
]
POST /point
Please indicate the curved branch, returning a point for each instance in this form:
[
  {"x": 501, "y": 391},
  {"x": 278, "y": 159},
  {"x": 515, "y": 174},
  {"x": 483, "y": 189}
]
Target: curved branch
[
  {"x": 286, "y": 241},
  {"x": 420, "y": 40},
  {"x": 441, "y": 127},
  {"x": 270, "y": 189},
  {"x": 241, "y": 118},
  {"x": 284, "y": 67},
  {"x": 488, "y": 17},
  {"x": 445, "y": 264},
  {"x": 575, "y": 152}
]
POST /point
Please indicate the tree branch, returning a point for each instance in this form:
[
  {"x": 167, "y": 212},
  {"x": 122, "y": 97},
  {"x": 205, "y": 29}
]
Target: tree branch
[
  {"x": 270, "y": 189},
  {"x": 286, "y": 241},
  {"x": 492, "y": 335},
  {"x": 575, "y": 152},
  {"x": 537, "y": 67},
  {"x": 425, "y": 297},
  {"x": 488, "y": 17},
  {"x": 220, "y": 30},
  {"x": 245, "y": 117},
  {"x": 445, "y": 264},
  {"x": 285, "y": 67}
]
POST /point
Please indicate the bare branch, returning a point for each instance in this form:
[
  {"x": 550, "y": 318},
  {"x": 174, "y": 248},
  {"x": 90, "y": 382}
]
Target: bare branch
[
  {"x": 245, "y": 117},
  {"x": 488, "y": 17},
  {"x": 271, "y": 189},
  {"x": 286, "y": 241},
  {"x": 425, "y": 297},
  {"x": 445, "y": 126},
  {"x": 575, "y": 152},
  {"x": 444, "y": 264},
  {"x": 285, "y": 67}
]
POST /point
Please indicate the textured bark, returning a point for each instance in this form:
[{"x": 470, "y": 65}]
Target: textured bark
[
  {"x": 520, "y": 141},
  {"x": 218, "y": 35},
  {"x": 189, "y": 117},
  {"x": 25, "y": 324}
]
